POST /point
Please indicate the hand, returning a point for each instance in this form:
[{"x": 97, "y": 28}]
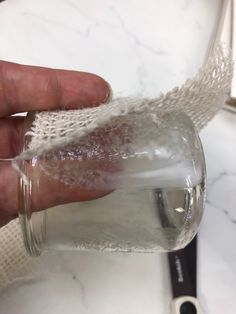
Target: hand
[{"x": 28, "y": 88}]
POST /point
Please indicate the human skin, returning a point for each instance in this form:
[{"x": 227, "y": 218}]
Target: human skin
[{"x": 28, "y": 88}]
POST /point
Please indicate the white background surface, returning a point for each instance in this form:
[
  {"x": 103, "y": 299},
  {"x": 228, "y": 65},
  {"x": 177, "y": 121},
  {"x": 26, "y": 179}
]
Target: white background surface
[{"x": 62, "y": 34}]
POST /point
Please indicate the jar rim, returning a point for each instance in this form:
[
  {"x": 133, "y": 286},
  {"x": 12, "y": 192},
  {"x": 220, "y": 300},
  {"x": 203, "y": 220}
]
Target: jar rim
[{"x": 33, "y": 224}]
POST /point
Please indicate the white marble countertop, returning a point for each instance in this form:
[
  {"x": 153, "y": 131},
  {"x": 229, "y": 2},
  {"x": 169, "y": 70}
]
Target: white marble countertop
[{"x": 61, "y": 34}]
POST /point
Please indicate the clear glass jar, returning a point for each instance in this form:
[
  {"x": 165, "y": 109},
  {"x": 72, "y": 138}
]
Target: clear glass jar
[
  {"x": 149, "y": 195},
  {"x": 117, "y": 189}
]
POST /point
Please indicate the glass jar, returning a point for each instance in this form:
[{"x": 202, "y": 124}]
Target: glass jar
[{"x": 117, "y": 189}]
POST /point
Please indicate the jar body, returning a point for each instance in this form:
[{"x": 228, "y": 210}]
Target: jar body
[{"x": 124, "y": 190}]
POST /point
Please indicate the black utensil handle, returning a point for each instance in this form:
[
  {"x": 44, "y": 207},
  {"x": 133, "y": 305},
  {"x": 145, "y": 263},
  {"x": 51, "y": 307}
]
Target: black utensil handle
[{"x": 183, "y": 270}]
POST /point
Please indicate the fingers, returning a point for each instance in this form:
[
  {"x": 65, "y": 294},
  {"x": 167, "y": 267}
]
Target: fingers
[
  {"x": 50, "y": 175},
  {"x": 10, "y": 136},
  {"x": 28, "y": 88},
  {"x": 9, "y": 193},
  {"x": 46, "y": 192},
  {"x": 76, "y": 173}
]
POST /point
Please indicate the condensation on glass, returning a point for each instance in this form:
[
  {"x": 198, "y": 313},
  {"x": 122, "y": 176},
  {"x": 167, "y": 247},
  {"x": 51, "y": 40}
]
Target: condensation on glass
[{"x": 147, "y": 190}]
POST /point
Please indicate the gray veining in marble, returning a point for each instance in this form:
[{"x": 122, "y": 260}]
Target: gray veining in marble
[{"x": 120, "y": 41}]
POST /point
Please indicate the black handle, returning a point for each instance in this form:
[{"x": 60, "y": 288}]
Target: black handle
[{"x": 183, "y": 270}]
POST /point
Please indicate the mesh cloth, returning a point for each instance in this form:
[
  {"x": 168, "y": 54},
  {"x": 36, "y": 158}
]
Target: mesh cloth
[{"x": 200, "y": 97}]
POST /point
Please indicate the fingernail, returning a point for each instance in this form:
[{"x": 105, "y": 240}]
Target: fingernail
[{"x": 109, "y": 94}]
